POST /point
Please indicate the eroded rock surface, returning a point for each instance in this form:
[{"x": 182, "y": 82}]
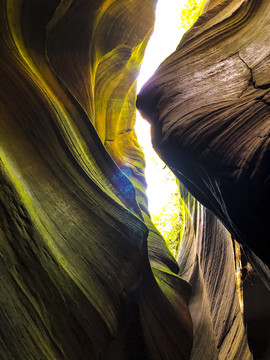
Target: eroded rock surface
[
  {"x": 76, "y": 281},
  {"x": 208, "y": 104},
  {"x": 84, "y": 272}
]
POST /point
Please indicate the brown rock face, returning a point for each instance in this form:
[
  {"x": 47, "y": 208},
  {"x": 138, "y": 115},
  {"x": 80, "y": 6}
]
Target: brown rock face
[
  {"x": 84, "y": 274},
  {"x": 206, "y": 260},
  {"x": 208, "y": 104}
]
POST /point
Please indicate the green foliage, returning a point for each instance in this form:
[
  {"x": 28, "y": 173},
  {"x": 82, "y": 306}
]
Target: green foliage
[
  {"x": 190, "y": 13},
  {"x": 169, "y": 220}
]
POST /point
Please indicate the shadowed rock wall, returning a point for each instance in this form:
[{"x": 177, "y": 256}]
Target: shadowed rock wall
[
  {"x": 211, "y": 121},
  {"x": 84, "y": 273},
  {"x": 208, "y": 104}
]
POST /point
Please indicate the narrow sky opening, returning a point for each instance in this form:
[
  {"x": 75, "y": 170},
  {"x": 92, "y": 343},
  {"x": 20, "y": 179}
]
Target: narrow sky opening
[
  {"x": 162, "y": 187},
  {"x": 165, "y": 38},
  {"x": 173, "y": 17}
]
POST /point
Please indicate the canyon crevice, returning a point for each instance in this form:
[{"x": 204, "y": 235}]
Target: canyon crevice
[{"x": 84, "y": 272}]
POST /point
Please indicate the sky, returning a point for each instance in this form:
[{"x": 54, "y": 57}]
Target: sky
[{"x": 165, "y": 38}]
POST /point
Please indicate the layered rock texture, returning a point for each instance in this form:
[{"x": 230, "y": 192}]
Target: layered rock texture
[
  {"x": 76, "y": 281},
  {"x": 84, "y": 272},
  {"x": 208, "y": 104}
]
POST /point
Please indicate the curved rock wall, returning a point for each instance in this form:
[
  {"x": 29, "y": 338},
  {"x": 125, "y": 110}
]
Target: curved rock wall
[
  {"x": 76, "y": 281},
  {"x": 84, "y": 273},
  {"x": 206, "y": 261},
  {"x": 208, "y": 104}
]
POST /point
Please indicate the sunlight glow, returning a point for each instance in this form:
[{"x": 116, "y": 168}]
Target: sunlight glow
[
  {"x": 173, "y": 18},
  {"x": 166, "y": 36}
]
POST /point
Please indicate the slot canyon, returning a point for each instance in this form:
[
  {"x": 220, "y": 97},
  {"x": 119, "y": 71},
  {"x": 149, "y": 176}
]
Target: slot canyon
[{"x": 85, "y": 274}]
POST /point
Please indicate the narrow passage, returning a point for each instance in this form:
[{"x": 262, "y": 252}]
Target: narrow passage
[{"x": 173, "y": 18}]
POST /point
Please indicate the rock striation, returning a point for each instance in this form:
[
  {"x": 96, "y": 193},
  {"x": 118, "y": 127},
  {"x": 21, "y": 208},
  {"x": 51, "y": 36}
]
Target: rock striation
[
  {"x": 208, "y": 104},
  {"x": 84, "y": 273}
]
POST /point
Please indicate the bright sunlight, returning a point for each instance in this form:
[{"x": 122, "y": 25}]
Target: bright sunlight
[{"x": 173, "y": 18}]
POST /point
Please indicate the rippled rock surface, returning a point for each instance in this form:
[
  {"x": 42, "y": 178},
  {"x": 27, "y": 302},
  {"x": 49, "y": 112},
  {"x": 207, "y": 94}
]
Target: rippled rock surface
[
  {"x": 76, "y": 237},
  {"x": 208, "y": 104},
  {"x": 84, "y": 272}
]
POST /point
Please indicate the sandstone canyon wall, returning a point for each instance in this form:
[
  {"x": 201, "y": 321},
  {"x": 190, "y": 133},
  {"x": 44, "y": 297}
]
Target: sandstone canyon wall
[
  {"x": 84, "y": 272},
  {"x": 208, "y": 104}
]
